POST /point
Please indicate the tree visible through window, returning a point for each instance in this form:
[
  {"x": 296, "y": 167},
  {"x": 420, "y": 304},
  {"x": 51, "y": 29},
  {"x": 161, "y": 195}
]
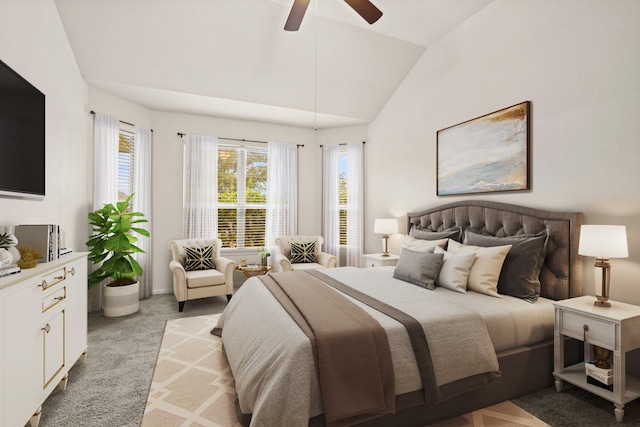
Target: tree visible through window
[
  {"x": 342, "y": 195},
  {"x": 126, "y": 158},
  {"x": 242, "y": 196}
]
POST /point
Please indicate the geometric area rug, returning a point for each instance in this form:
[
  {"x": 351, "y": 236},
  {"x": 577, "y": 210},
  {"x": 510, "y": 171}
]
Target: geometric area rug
[{"x": 193, "y": 386}]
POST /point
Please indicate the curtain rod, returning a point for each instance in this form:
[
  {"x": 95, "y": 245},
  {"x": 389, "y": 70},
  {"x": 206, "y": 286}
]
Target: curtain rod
[
  {"x": 93, "y": 113},
  {"x": 343, "y": 143},
  {"x": 181, "y": 134}
]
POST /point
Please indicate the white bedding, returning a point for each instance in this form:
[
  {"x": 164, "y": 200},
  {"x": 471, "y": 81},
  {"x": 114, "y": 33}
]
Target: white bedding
[{"x": 510, "y": 323}]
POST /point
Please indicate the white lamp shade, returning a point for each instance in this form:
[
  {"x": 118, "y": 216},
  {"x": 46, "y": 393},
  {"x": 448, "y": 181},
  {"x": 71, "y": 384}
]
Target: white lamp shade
[
  {"x": 385, "y": 226},
  {"x": 603, "y": 241}
]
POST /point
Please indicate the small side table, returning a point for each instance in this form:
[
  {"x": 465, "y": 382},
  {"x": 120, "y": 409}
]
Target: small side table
[
  {"x": 251, "y": 271},
  {"x": 377, "y": 260},
  {"x": 614, "y": 328}
]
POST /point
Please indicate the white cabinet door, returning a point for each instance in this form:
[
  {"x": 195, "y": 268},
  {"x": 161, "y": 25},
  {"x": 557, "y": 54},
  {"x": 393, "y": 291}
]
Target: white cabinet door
[
  {"x": 53, "y": 345},
  {"x": 22, "y": 365}
]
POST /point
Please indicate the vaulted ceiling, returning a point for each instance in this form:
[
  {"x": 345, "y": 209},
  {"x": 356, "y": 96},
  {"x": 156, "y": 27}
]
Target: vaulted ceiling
[{"x": 232, "y": 58}]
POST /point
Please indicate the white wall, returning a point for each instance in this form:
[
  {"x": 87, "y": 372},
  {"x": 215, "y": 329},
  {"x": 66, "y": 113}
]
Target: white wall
[
  {"x": 34, "y": 44},
  {"x": 578, "y": 62}
]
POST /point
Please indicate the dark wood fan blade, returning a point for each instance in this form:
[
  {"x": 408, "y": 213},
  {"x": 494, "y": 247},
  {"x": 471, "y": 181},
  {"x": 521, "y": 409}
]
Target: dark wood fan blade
[
  {"x": 366, "y": 9},
  {"x": 295, "y": 16}
]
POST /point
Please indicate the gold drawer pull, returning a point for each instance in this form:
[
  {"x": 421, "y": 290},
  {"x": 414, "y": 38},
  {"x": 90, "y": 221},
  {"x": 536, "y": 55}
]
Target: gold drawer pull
[
  {"x": 72, "y": 271},
  {"x": 44, "y": 285},
  {"x": 59, "y": 298},
  {"x": 59, "y": 277},
  {"x": 47, "y": 328},
  {"x": 585, "y": 328}
]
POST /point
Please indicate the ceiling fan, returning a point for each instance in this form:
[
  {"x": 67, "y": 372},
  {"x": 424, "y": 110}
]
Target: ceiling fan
[{"x": 365, "y": 8}]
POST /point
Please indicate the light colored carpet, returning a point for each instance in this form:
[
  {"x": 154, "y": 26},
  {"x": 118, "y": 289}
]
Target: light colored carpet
[{"x": 192, "y": 385}]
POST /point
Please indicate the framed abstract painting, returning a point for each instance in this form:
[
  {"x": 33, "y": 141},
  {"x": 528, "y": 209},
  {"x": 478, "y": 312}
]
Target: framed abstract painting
[{"x": 486, "y": 154}]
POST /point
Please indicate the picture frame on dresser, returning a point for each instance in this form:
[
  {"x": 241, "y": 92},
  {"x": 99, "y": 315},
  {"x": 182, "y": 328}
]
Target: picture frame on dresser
[{"x": 485, "y": 155}]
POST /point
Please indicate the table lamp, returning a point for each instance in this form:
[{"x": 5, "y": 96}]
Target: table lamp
[
  {"x": 603, "y": 242},
  {"x": 385, "y": 226}
]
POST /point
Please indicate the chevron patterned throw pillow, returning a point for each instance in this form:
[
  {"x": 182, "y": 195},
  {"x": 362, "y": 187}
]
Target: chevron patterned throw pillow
[
  {"x": 199, "y": 258},
  {"x": 303, "y": 252}
]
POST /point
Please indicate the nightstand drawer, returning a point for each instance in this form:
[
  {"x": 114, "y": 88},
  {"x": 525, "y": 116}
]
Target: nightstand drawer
[
  {"x": 598, "y": 332},
  {"x": 378, "y": 260}
]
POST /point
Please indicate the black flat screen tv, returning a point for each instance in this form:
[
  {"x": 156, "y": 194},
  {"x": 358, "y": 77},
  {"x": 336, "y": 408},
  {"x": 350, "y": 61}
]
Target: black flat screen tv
[{"x": 22, "y": 136}]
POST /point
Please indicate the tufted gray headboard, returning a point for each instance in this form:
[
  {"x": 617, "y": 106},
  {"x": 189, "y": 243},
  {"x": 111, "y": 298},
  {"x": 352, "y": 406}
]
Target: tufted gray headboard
[{"x": 561, "y": 274}]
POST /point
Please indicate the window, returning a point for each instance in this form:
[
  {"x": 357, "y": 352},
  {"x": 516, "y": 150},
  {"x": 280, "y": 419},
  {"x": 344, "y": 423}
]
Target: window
[
  {"x": 242, "y": 196},
  {"x": 126, "y": 159},
  {"x": 342, "y": 194}
]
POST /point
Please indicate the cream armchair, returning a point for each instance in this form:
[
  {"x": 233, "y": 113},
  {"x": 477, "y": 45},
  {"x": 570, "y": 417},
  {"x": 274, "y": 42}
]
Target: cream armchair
[
  {"x": 195, "y": 284},
  {"x": 323, "y": 259}
]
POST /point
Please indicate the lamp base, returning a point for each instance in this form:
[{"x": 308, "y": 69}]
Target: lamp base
[
  {"x": 385, "y": 245},
  {"x": 605, "y": 282}
]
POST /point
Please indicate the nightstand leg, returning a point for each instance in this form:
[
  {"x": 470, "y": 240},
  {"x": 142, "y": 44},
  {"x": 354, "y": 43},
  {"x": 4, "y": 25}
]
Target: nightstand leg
[
  {"x": 619, "y": 412},
  {"x": 558, "y": 385}
]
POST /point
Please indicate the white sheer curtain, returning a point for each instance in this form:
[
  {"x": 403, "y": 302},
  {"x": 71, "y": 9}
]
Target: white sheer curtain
[
  {"x": 330, "y": 202},
  {"x": 199, "y": 218},
  {"x": 282, "y": 193},
  {"x": 106, "y": 135},
  {"x": 355, "y": 202},
  {"x": 142, "y": 203}
]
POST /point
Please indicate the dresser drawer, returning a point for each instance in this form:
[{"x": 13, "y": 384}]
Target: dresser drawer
[
  {"x": 54, "y": 277},
  {"x": 592, "y": 330},
  {"x": 54, "y": 298}
]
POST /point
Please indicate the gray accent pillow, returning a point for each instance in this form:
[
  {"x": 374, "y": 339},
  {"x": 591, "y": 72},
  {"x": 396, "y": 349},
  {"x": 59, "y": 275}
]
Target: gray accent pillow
[
  {"x": 454, "y": 233},
  {"x": 520, "y": 275},
  {"x": 419, "y": 268}
]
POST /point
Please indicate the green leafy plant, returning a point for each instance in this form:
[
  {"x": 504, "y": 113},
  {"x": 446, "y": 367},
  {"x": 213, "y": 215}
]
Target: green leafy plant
[
  {"x": 112, "y": 244},
  {"x": 6, "y": 241}
]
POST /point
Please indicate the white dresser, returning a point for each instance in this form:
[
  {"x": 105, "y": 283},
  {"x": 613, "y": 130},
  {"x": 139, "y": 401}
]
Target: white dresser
[{"x": 43, "y": 332}]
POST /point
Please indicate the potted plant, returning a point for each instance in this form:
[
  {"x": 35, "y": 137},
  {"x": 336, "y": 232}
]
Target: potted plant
[
  {"x": 264, "y": 255},
  {"x": 112, "y": 248}
]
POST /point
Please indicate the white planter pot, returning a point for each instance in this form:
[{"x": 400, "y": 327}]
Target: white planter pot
[{"x": 120, "y": 300}]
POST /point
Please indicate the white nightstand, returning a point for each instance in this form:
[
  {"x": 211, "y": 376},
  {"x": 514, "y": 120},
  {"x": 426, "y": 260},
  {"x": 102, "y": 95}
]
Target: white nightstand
[
  {"x": 616, "y": 328},
  {"x": 377, "y": 260}
]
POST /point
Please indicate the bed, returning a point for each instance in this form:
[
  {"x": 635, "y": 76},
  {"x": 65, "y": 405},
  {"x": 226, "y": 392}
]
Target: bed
[{"x": 276, "y": 368}]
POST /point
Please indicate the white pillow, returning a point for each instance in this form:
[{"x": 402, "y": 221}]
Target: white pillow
[
  {"x": 454, "y": 273},
  {"x": 485, "y": 271},
  {"x": 419, "y": 245}
]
